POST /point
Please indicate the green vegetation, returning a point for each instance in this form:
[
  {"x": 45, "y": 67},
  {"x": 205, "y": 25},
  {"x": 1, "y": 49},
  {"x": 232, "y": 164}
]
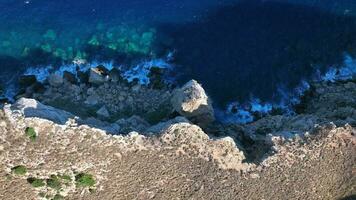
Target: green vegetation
[
  {"x": 54, "y": 182},
  {"x": 36, "y": 182},
  {"x": 31, "y": 133},
  {"x": 85, "y": 180},
  {"x": 19, "y": 170}
]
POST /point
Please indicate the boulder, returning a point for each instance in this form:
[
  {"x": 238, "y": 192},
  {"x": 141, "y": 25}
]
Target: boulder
[
  {"x": 115, "y": 75},
  {"x": 33, "y": 108},
  {"x": 83, "y": 77},
  {"x": 192, "y": 102},
  {"x": 97, "y": 76},
  {"x": 55, "y": 80},
  {"x": 103, "y": 113},
  {"x": 27, "y": 80}
]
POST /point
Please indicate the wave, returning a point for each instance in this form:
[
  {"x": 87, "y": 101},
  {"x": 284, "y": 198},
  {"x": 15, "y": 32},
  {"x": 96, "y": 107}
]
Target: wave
[
  {"x": 138, "y": 72},
  {"x": 246, "y": 113}
]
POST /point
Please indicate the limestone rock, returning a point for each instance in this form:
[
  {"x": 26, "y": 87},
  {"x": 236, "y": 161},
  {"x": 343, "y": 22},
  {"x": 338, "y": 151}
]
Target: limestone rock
[
  {"x": 55, "y": 80},
  {"x": 192, "y": 102},
  {"x": 33, "y": 108}
]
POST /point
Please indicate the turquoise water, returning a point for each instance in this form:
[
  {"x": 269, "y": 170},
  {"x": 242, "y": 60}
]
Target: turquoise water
[{"x": 241, "y": 51}]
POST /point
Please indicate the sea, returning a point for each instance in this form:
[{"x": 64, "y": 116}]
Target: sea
[{"x": 249, "y": 55}]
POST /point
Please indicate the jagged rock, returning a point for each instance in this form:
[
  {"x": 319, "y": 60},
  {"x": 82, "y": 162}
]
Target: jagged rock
[
  {"x": 97, "y": 76},
  {"x": 70, "y": 77},
  {"x": 103, "y": 112},
  {"x": 33, "y": 108},
  {"x": 55, "y": 80},
  {"x": 192, "y": 102}
]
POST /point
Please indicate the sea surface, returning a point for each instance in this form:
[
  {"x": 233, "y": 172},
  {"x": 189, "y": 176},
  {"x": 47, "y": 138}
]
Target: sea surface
[{"x": 249, "y": 55}]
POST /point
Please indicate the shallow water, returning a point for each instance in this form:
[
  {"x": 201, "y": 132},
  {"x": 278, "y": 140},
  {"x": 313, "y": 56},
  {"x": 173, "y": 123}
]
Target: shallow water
[{"x": 239, "y": 50}]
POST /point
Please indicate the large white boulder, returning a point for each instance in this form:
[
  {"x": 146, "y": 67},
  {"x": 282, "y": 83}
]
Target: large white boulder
[
  {"x": 192, "y": 102},
  {"x": 33, "y": 108}
]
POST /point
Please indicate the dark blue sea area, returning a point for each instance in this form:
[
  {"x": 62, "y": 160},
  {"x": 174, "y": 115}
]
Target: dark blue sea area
[{"x": 250, "y": 55}]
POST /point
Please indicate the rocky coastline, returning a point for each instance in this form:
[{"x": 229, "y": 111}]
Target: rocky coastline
[{"x": 115, "y": 139}]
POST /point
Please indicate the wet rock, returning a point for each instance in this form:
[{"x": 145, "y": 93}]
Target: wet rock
[
  {"x": 27, "y": 80},
  {"x": 34, "y": 88},
  {"x": 103, "y": 113},
  {"x": 98, "y": 76},
  {"x": 55, "y": 80},
  {"x": 192, "y": 102},
  {"x": 156, "y": 78},
  {"x": 115, "y": 75},
  {"x": 83, "y": 77},
  {"x": 70, "y": 77}
]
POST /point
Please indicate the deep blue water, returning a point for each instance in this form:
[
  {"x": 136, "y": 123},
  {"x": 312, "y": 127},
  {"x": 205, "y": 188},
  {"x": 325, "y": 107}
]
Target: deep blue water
[{"x": 238, "y": 50}]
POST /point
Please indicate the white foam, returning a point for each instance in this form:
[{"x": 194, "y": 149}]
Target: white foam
[
  {"x": 41, "y": 73},
  {"x": 142, "y": 70},
  {"x": 239, "y": 114}
]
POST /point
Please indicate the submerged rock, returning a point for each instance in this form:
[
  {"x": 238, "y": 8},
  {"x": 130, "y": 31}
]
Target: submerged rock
[{"x": 192, "y": 102}]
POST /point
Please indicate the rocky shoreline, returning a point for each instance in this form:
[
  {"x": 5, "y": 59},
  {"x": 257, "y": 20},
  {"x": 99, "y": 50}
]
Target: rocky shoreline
[{"x": 132, "y": 141}]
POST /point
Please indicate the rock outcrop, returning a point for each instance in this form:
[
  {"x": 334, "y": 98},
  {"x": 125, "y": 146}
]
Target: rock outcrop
[
  {"x": 177, "y": 159},
  {"x": 192, "y": 102},
  {"x": 32, "y": 108}
]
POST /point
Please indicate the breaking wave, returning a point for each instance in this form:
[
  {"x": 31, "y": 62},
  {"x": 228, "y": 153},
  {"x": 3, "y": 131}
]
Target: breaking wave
[{"x": 246, "y": 113}]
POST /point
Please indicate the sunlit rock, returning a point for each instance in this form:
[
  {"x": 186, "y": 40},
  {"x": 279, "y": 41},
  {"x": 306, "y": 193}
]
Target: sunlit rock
[{"x": 192, "y": 102}]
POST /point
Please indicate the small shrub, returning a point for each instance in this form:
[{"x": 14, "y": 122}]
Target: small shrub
[
  {"x": 31, "y": 133},
  {"x": 85, "y": 180},
  {"x": 19, "y": 170},
  {"x": 36, "y": 182}
]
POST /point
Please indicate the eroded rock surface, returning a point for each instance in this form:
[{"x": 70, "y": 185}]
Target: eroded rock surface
[{"x": 310, "y": 155}]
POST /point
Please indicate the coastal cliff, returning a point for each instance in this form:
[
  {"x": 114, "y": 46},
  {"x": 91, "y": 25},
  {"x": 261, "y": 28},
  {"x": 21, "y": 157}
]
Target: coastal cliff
[{"x": 68, "y": 140}]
